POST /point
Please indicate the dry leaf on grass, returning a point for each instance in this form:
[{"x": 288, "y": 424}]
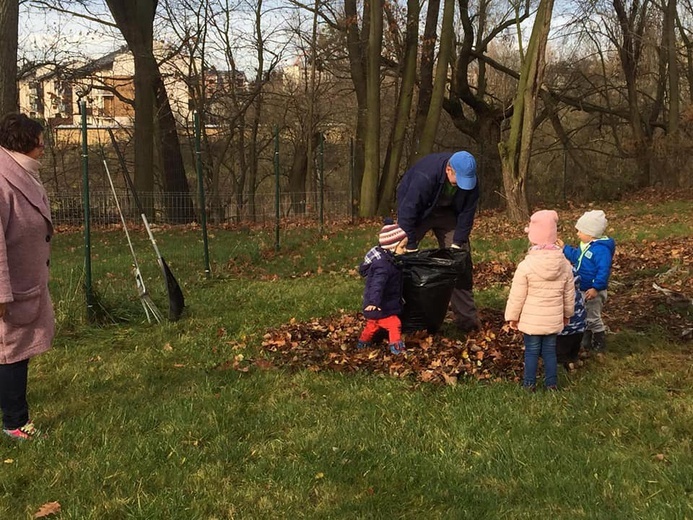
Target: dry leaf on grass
[{"x": 48, "y": 509}]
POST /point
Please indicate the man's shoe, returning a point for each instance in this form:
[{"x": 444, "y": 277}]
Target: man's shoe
[{"x": 468, "y": 326}]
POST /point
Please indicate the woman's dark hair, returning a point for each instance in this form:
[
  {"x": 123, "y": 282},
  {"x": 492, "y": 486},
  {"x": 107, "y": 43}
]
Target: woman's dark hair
[{"x": 19, "y": 133}]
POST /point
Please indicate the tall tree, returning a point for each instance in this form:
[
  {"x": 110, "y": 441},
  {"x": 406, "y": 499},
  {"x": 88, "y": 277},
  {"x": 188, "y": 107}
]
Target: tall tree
[
  {"x": 371, "y": 170},
  {"x": 135, "y": 20},
  {"x": 628, "y": 37},
  {"x": 428, "y": 46},
  {"x": 475, "y": 110},
  {"x": 404, "y": 102},
  {"x": 9, "y": 30},
  {"x": 516, "y": 150},
  {"x": 669, "y": 38},
  {"x": 439, "y": 86},
  {"x": 357, "y": 42}
]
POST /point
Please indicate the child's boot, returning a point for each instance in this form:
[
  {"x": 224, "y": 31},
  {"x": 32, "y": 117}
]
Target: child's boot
[
  {"x": 586, "y": 342},
  {"x": 599, "y": 341},
  {"x": 397, "y": 348},
  {"x": 363, "y": 344}
]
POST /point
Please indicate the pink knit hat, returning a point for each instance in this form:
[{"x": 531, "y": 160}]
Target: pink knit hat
[
  {"x": 391, "y": 235},
  {"x": 542, "y": 227}
]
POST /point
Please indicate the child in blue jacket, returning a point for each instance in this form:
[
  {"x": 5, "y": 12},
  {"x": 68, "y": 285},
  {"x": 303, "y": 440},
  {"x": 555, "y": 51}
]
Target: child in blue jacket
[
  {"x": 592, "y": 260},
  {"x": 382, "y": 296}
]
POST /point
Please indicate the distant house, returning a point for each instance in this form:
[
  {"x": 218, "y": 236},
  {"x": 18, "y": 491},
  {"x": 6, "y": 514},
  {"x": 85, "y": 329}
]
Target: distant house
[
  {"x": 46, "y": 94},
  {"x": 106, "y": 84}
]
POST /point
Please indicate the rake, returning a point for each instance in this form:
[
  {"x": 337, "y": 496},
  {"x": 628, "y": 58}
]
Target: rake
[
  {"x": 176, "y": 300},
  {"x": 149, "y": 308}
]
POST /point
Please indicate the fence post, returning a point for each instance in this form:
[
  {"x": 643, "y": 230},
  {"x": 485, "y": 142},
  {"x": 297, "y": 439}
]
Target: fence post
[
  {"x": 351, "y": 180},
  {"x": 88, "y": 289},
  {"x": 321, "y": 177},
  {"x": 276, "y": 188},
  {"x": 201, "y": 192}
]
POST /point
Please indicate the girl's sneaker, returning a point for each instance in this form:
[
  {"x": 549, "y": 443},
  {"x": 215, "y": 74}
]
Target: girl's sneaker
[
  {"x": 397, "y": 348},
  {"x": 23, "y": 433},
  {"x": 363, "y": 344}
]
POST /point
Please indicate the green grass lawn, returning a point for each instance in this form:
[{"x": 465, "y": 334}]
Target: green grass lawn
[{"x": 143, "y": 421}]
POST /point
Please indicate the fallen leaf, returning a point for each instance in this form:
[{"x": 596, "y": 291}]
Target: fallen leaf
[{"x": 48, "y": 509}]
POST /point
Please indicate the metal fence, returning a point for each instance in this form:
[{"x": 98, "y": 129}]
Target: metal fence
[{"x": 68, "y": 208}]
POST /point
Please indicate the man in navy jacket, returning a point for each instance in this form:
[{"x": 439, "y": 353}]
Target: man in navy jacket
[{"x": 440, "y": 193}]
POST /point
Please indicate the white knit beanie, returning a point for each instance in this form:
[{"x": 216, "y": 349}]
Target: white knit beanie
[{"x": 592, "y": 223}]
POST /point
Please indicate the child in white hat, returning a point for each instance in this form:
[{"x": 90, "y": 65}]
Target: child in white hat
[{"x": 592, "y": 260}]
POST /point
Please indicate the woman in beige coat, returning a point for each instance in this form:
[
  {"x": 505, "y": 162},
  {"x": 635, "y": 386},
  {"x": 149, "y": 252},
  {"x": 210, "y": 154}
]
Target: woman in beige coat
[
  {"x": 27, "y": 322},
  {"x": 541, "y": 299}
]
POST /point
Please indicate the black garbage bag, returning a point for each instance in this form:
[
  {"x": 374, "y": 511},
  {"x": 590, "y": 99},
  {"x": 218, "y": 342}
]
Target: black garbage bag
[{"x": 428, "y": 279}]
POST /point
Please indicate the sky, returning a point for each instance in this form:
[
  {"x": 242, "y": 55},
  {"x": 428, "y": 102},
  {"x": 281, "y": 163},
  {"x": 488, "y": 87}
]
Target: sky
[
  {"x": 53, "y": 36},
  {"x": 49, "y": 35}
]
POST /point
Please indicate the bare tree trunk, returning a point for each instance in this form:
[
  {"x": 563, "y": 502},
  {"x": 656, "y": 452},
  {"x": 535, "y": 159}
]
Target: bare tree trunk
[
  {"x": 135, "y": 20},
  {"x": 428, "y": 46},
  {"x": 516, "y": 151},
  {"x": 357, "y": 68},
  {"x": 9, "y": 26},
  {"x": 297, "y": 179},
  {"x": 369, "y": 186},
  {"x": 488, "y": 165},
  {"x": 632, "y": 24},
  {"x": 309, "y": 128},
  {"x": 178, "y": 207},
  {"x": 688, "y": 45},
  {"x": 471, "y": 109},
  {"x": 251, "y": 163},
  {"x": 433, "y": 117},
  {"x": 404, "y": 102},
  {"x": 673, "y": 67},
  {"x": 136, "y": 24}
]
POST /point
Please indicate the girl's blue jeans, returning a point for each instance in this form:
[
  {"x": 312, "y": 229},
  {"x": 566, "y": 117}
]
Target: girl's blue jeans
[{"x": 544, "y": 346}]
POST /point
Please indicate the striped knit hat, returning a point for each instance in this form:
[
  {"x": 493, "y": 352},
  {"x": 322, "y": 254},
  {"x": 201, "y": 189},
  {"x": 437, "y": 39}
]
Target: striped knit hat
[{"x": 391, "y": 235}]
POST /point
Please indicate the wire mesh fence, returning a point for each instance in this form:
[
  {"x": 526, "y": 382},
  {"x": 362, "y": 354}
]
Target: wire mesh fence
[{"x": 222, "y": 208}]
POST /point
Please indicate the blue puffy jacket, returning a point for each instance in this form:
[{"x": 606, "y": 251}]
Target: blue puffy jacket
[
  {"x": 418, "y": 193},
  {"x": 383, "y": 284},
  {"x": 594, "y": 263}
]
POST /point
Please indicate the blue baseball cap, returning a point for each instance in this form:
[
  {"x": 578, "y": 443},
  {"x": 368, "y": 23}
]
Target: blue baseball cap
[{"x": 464, "y": 165}]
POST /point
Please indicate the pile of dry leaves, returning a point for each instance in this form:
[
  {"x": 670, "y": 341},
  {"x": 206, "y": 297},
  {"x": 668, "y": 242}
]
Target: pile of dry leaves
[
  {"x": 330, "y": 344},
  {"x": 651, "y": 284}
]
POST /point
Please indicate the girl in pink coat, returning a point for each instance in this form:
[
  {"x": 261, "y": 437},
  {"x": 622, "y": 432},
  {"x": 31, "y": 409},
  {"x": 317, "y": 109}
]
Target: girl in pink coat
[
  {"x": 27, "y": 322},
  {"x": 541, "y": 299}
]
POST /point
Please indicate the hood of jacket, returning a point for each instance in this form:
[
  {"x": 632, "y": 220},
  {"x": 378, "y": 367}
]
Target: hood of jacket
[
  {"x": 605, "y": 242},
  {"x": 543, "y": 263}
]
